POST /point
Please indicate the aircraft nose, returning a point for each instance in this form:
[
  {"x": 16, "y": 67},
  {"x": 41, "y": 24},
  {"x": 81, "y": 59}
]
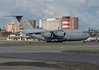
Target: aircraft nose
[{"x": 88, "y": 35}]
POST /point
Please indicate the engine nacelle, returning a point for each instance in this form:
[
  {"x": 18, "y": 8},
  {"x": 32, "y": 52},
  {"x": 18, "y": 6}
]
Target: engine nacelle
[
  {"x": 60, "y": 34},
  {"x": 47, "y": 34}
]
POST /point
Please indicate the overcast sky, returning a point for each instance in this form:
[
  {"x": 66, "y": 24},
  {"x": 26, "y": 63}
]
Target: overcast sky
[{"x": 86, "y": 10}]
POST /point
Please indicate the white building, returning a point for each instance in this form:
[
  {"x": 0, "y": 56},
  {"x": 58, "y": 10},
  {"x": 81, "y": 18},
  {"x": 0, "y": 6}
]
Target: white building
[
  {"x": 50, "y": 24},
  {"x": 63, "y": 23}
]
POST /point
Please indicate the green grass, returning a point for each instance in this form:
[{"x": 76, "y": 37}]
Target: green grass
[
  {"x": 55, "y": 64},
  {"x": 82, "y": 51},
  {"x": 39, "y": 64},
  {"x": 78, "y": 66},
  {"x": 47, "y": 44}
]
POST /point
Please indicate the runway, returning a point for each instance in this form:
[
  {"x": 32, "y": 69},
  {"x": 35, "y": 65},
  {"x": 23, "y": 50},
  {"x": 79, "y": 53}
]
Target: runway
[
  {"x": 52, "y": 53},
  {"x": 58, "y": 56},
  {"x": 17, "y": 48}
]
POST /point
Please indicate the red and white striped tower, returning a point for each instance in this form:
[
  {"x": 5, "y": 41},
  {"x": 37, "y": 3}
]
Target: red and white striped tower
[{"x": 65, "y": 24}]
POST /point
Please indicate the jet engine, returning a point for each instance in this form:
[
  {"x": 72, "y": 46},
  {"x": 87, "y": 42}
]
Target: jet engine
[
  {"x": 47, "y": 34},
  {"x": 60, "y": 34}
]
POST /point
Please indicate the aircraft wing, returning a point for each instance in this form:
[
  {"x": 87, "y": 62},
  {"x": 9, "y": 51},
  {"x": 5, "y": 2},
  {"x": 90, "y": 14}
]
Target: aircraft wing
[{"x": 34, "y": 31}]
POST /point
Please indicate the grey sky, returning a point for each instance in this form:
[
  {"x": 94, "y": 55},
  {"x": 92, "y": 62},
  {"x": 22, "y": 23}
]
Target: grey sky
[{"x": 86, "y": 10}]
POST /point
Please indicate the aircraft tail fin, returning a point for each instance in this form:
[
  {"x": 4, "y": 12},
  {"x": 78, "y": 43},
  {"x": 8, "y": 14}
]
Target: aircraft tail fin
[{"x": 23, "y": 21}]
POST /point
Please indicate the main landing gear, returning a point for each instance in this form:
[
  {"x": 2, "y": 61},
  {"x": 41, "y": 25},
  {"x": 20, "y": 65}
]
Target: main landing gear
[{"x": 54, "y": 41}]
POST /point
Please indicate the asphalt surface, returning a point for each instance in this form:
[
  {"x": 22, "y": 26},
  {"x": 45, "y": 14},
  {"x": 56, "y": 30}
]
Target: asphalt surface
[
  {"x": 52, "y": 53},
  {"x": 58, "y": 56},
  {"x": 17, "y": 48}
]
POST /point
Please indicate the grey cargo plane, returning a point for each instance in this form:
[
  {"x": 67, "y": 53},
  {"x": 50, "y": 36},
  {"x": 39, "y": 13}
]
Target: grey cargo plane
[{"x": 50, "y": 35}]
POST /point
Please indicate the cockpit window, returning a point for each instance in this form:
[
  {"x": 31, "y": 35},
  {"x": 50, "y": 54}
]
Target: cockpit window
[{"x": 85, "y": 32}]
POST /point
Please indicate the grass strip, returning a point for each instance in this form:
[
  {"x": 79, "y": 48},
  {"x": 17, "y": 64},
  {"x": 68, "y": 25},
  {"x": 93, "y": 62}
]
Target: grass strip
[
  {"x": 38, "y": 64},
  {"x": 57, "y": 64},
  {"x": 46, "y": 44},
  {"x": 77, "y": 66},
  {"x": 83, "y": 51}
]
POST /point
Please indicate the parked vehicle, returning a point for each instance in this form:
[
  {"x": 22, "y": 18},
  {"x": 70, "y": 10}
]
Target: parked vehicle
[{"x": 92, "y": 39}]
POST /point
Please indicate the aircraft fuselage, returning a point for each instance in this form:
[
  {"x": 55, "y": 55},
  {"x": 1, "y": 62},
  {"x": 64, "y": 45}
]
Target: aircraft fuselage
[{"x": 64, "y": 35}]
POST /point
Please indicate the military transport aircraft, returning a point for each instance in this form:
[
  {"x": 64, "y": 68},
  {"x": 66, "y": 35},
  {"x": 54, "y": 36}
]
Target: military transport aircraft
[{"x": 50, "y": 35}]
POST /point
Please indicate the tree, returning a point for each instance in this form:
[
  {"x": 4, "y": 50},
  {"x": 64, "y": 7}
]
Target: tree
[{"x": 5, "y": 33}]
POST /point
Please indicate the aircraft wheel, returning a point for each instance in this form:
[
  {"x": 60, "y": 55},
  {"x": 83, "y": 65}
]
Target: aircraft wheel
[
  {"x": 49, "y": 41},
  {"x": 84, "y": 41},
  {"x": 60, "y": 41}
]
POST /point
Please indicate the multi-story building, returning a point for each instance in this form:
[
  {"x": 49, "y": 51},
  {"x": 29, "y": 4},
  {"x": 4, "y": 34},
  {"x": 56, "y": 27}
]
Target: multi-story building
[
  {"x": 66, "y": 22},
  {"x": 50, "y": 24},
  {"x": 76, "y": 23},
  {"x": 17, "y": 27},
  {"x": 13, "y": 26},
  {"x": 69, "y": 22},
  {"x": 33, "y": 23}
]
